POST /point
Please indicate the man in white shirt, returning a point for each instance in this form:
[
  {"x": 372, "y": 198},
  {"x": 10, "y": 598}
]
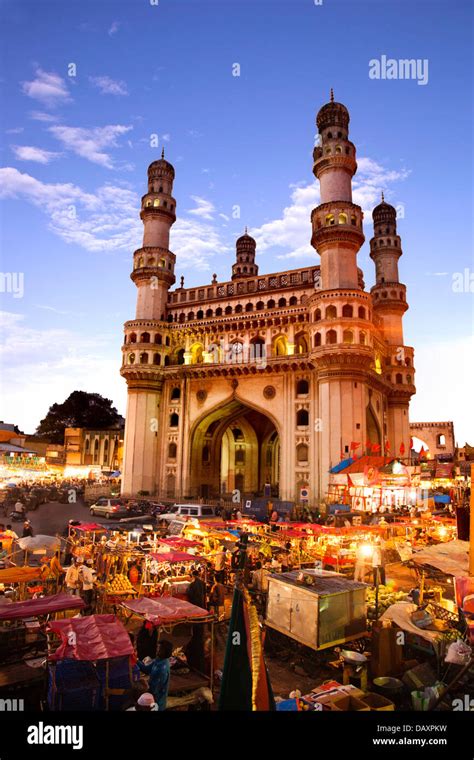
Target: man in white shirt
[
  {"x": 86, "y": 579},
  {"x": 72, "y": 579}
]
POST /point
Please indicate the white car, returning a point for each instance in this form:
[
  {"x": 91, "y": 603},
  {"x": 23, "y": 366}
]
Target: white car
[
  {"x": 187, "y": 511},
  {"x": 109, "y": 508}
]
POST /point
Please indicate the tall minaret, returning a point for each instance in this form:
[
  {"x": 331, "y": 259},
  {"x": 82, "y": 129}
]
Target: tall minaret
[
  {"x": 389, "y": 296},
  {"x": 145, "y": 349},
  {"x": 336, "y": 222},
  {"x": 390, "y": 304}
]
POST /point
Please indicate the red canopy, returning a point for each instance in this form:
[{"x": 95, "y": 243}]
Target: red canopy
[
  {"x": 96, "y": 637},
  {"x": 42, "y": 606},
  {"x": 166, "y": 609},
  {"x": 88, "y": 526},
  {"x": 175, "y": 557}
]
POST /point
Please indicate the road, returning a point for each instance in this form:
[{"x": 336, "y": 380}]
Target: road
[{"x": 52, "y": 517}]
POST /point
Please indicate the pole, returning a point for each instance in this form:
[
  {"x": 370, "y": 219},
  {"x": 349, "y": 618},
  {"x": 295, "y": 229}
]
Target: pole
[{"x": 471, "y": 526}]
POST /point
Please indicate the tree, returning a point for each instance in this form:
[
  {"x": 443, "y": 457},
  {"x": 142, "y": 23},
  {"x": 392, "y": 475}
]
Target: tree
[{"x": 81, "y": 409}]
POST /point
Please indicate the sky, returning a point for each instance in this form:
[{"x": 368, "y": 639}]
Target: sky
[{"x": 92, "y": 91}]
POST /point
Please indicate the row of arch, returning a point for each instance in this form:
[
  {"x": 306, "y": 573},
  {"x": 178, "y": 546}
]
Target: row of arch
[
  {"x": 159, "y": 202},
  {"x": 146, "y": 337},
  {"x": 330, "y": 337},
  {"x": 399, "y": 379},
  {"x": 331, "y": 312},
  {"x": 393, "y": 294},
  {"x": 338, "y": 150},
  {"x": 150, "y": 262},
  {"x": 146, "y": 358},
  {"x": 376, "y": 242},
  {"x": 238, "y": 309},
  {"x": 341, "y": 218}
]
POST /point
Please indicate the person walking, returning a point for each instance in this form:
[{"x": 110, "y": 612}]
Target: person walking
[
  {"x": 147, "y": 641},
  {"x": 217, "y": 597},
  {"x": 72, "y": 579},
  {"x": 158, "y": 671},
  {"x": 86, "y": 578},
  {"x": 219, "y": 565}
]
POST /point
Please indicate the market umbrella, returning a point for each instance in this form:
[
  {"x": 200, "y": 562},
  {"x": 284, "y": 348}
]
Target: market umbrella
[{"x": 38, "y": 543}]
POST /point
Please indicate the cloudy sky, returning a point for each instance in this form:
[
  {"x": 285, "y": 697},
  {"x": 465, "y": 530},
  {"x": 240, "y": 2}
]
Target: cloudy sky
[{"x": 94, "y": 90}]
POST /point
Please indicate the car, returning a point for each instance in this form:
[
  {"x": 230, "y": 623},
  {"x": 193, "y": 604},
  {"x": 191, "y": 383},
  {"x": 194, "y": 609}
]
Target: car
[
  {"x": 180, "y": 511},
  {"x": 109, "y": 508}
]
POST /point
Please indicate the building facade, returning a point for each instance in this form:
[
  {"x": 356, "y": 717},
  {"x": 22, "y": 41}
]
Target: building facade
[
  {"x": 95, "y": 448},
  {"x": 261, "y": 383},
  {"x": 437, "y": 438}
]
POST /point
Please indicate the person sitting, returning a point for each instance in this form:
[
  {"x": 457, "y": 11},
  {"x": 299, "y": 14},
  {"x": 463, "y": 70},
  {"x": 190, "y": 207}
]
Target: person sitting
[{"x": 145, "y": 703}]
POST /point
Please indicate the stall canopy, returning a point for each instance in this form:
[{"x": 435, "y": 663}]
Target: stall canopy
[
  {"x": 175, "y": 557},
  {"x": 39, "y": 543},
  {"x": 341, "y": 466},
  {"x": 43, "y": 606},
  {"x": 20, "y": 575},
  {"x": 178, "y": 541},
  {"x": 167, "y": 609},
  {"x": 89, "y": 527},
  {"x": 451, "y": 558},
  {"x": 96, "y": 637}
]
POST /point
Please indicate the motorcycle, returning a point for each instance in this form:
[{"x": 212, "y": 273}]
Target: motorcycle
[{"x": 18, "y": 516}]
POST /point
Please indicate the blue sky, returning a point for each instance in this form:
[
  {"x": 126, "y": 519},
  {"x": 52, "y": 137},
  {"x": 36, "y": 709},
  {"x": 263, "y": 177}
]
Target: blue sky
[{"x": 75, "y": 151}]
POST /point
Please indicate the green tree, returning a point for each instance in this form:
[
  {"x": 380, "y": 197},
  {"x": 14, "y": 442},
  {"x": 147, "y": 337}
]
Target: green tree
[{"x": 81, "y": 409}]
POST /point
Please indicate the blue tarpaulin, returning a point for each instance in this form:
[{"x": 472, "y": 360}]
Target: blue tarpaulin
[{"x": 341, "y": 466}]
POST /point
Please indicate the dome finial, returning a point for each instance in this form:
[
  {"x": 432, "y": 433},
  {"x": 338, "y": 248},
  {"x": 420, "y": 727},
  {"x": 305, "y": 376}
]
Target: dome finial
[
  {"x": 383, "y": 199},
  {"x": 246, "y": 230},
  {"x": 332, "y": 95},
  {"x": 162, "y": 152}
]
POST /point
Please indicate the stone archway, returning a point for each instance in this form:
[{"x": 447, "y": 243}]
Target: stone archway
[{"x": 233, "y": 447}]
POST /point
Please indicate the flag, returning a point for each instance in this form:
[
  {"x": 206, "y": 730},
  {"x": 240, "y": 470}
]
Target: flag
[
  {"x": 422, "y": 453},
  {"x": 402, "y": 448},
  {"x": 387, "y": 445},
  {"x": 245, "y": 681},
  {"x": 411, "y": 443},
  {"x": 350, "y": 482},
  {"x": 375, "y": 447},
  {"x": 354, "y": 445}
]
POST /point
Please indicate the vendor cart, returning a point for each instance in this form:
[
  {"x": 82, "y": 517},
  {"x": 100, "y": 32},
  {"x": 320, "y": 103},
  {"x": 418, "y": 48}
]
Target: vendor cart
[{"x": 316, "y": 608}]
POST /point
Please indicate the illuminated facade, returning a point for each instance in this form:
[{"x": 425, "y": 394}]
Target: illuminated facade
[{"x": 266, "y": 378}]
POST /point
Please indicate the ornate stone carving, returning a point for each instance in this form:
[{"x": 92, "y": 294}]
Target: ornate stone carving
[
  {"x": 201, "y": 396},
  {"x": 269, "y": 391}
]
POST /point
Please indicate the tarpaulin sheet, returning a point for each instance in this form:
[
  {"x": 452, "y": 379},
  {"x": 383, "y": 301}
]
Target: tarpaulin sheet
[
  {"x": 174, "y": 557},
  {"x": 451, "y": 558},
  {"x": 36, "y": 543},
  {"x": 167, "y": 609},
  {"x": 20, "y": 574},
  {"x": 96, "y": 637},
  {"x": 88, "y": 526},
  {"x": 43, "y": 606}
]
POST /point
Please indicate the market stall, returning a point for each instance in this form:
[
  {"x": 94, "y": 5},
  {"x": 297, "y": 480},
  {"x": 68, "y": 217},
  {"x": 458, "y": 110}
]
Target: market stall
[{"x": 93, "y": 666}]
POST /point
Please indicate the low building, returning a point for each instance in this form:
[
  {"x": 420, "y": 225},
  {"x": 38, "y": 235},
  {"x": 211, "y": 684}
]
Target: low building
[{"x": 94, "y": 448}]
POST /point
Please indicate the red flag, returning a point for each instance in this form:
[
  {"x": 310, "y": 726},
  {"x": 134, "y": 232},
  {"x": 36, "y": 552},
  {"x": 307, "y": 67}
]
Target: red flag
[
  {"x": 349, "y": 482},
  {"x": 402, "y": 448},
  {"x": 387, "y": 445},
  {"x": 411, "y": 443},
  {"x": 354, "y": 445},
  {"x": 422, "y": 452},
  {"x": 375, "y": 447}
]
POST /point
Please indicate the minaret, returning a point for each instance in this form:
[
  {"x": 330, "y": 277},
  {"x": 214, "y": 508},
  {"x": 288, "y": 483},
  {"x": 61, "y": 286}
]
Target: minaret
[
  {"x": 146, "y": 347},
  {"x": 389, "y": 295},
  {"x": 245, "y": 265},
  {"x": 337, "y": 222},
  {"x": 153, "y": 264},
  {"x": 389, "y": 304},
  {"x": 340, "y": 325}
]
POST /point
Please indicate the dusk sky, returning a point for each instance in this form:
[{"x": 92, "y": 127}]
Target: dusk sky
[{"x": 75, "y": 151}]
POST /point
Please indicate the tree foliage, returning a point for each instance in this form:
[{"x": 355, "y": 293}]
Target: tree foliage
[{"x": 80, "y": 409}]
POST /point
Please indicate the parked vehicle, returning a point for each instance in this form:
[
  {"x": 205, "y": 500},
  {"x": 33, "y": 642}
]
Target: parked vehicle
[
  {"x": 200, "y": 511},
  {"x": 109, "y": 508}
]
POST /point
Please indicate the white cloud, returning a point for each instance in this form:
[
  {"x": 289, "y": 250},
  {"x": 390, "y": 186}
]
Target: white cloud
[
  {"x": 47, "y": 87},
  {"x": 293, "y": 229},
  {"x": 204, "y": 209},
  {"x": 108, "y": 219},
  {"x": 90, "y": 143},
  {"x": 166, "y": 138},
  {"x": 102, "y": 221},
  {"x": 41, "y": 116},
  {"x": 115, "y": 26},
  {"x": 31, "y": 153},
  {"x": 41, "y": 367},
  {"x": 108, "y": 86},
  {"x": 14, "y": 131}
]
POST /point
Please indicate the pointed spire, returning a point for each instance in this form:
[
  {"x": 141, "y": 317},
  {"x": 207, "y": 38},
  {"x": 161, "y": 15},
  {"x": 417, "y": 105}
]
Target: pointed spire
[
  {"x": 332, "y": 95},
  {"x": 383, "y": 199},
  {"x": 162, "y": 152},
  {"x": 182, "y": 281},
  {"x": 246, "y": 230}
]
